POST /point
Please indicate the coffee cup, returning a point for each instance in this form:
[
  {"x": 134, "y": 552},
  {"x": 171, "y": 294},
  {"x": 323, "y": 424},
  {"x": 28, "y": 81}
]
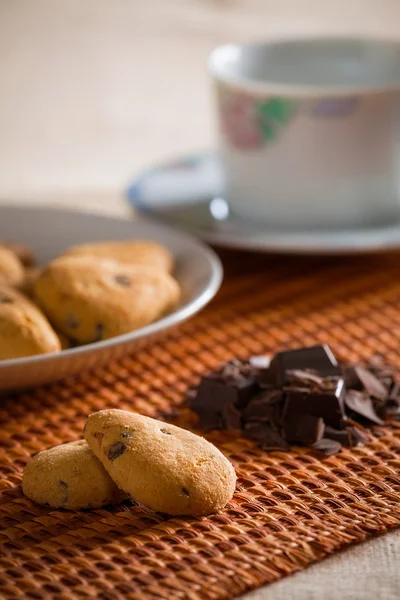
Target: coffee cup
[{"x": 308, "y": 131}]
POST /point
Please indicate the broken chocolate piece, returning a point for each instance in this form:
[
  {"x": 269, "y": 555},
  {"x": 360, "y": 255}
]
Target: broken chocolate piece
[
  {"x": 317, "y": 358},
  {"x": 264, "y": 407},
  {"x": 342, "y": 436},
  {"x": 327, "y": 447},
  {"x": 303, "y": 429},
  {"x": 229, "y": 386},
  {"x": 358, "y": 378},
  {"x": 265, "y": 434},
  {"x": 231, "y": 417},
  {"x": 320, "y": 402},
  {"x": 362, "y": 405},
  {"x": 209, "y": 420}
]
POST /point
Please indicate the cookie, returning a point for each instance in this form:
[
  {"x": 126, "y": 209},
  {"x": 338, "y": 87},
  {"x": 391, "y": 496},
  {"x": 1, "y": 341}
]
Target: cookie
[
  {"x": 164, "y": 467},
  {"x": 91, "y": 299},
  {"x": 69, "y": 476},
  {"x": 11, "y": 269},
  {"x": 140, "y": 252},
  {"x": 24, "y": 253},
  {"x": 30, "y": 276},
  {"x": 24, "y": 330}
]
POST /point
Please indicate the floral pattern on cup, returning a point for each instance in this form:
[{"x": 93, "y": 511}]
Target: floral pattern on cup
[
  {"x": 335, "y": 107},
  {"x": 248, "y": 123}
]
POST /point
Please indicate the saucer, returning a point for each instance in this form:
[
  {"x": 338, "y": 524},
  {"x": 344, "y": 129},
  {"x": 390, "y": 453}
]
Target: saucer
[{"x": 187, "y": 194}]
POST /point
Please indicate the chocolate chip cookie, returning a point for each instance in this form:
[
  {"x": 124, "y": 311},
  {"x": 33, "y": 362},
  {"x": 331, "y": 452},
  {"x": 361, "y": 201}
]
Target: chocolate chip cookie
[
  {"x": 11, "y": 269},
  {"x": 24, "y": 330},
  {"x": 162, "y": 466},
  {"x": 91, "y": 299},
  {"x": 24, "y": 253},
  {"x": 69, "y": 476},
  {"x": 141, "y": 252}
]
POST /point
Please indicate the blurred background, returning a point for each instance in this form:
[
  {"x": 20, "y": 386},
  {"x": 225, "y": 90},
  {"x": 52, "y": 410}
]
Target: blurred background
[{"x": 94, "y": 91}]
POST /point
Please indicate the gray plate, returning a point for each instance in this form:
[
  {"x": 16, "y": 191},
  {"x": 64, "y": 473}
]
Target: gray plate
[
  {"x": 187, "y": 194},
  {"x": 51, "y": 231}
]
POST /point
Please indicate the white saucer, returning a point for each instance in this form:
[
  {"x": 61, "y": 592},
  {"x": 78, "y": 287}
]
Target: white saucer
[{"x": 186, "y": 194}]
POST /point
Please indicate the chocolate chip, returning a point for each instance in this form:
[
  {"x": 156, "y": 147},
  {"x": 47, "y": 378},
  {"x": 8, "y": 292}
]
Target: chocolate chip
[
  {"x": 184, "y": 491},
  {"x": 165, "y": 431},
  {"x": 72, "y": 321},
  {"x": 116, "y": 450},
  {"x": 99, "y": 332},
  {"x": 64, "y": 488},
  {"x": 5, "y": 300},
  {"x": 123, "y": 280}
]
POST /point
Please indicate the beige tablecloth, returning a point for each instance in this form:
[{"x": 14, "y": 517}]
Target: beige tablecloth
[{"x": 93, "y": 91}]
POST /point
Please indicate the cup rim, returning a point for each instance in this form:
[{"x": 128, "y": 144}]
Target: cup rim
[{"x": 257, "y": 87}]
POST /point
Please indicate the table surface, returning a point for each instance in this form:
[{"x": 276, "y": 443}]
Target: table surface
[{"x": 95, "y": 91}]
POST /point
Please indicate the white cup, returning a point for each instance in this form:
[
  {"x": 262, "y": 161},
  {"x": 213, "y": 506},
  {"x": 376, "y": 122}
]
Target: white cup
[{"x": 309, "y": 131}]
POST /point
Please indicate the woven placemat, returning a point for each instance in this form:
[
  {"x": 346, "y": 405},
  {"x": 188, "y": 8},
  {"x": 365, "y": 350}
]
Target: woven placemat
[{"x": 289, "y": 510}]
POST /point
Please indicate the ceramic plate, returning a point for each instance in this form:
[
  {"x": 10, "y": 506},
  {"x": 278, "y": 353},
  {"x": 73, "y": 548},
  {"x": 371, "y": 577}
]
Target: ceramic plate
[
  {"x": 187, "y": 194},
  {"x": 50, "y": 231}
]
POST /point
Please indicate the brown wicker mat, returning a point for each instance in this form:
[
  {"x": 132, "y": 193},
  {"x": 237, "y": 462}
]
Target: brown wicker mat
[{"x": 289, "y": 510}]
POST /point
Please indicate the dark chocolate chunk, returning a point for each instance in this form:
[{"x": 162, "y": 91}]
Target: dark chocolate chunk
[
  {"x": 5, "y": 300},
  {"x": 263, "y": 407},
  {"x": 394, "y": 394},
  {"x": 116, "y": 450},
  {"x": 123, "y": 280},
  {"x": 361, "y": 404},
  {"x": 320, "y": 402},
  {"x": 220, "y": 389},
  {"x": 209, "y": 420},
  {"x": 317, "y": 358},
  {"x": 358, "y": 436},
  {"x": 185, "y": 492},
  {"x": 303, "y": 429},
  {"x": 368, "y": 382},
  {"x": 231, "y": 417},
  {"x": 266, "y": 435},
  {"x": 327, "y": 447},
  {"x": 338, "y": 435}
]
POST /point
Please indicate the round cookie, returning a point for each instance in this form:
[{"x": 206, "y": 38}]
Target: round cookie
[
  {"x": 23, "y": 252},
  {"x": 91, "y": 299},
  {"x": 162, "y": 466},
  {"x": 140, "y": 252},
  {"x": 69, "y": 476},
  {"x": 24, "y": 330},
  {"x": 11, "y": 269}
]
